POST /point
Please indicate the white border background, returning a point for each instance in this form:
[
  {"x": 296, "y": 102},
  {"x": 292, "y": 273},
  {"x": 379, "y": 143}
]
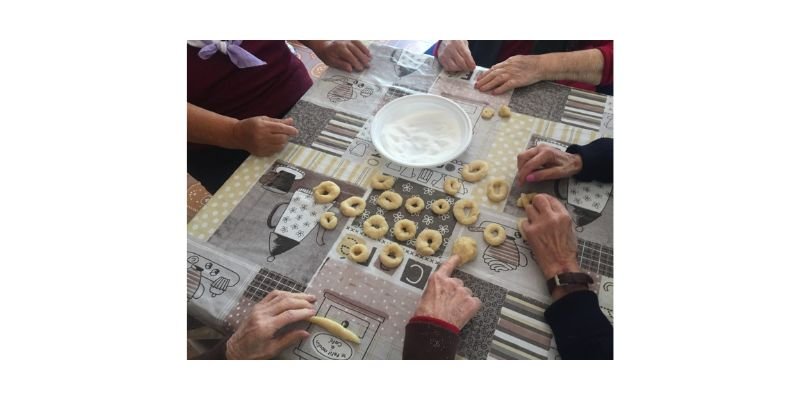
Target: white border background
[{"x": 93, "y": 200}]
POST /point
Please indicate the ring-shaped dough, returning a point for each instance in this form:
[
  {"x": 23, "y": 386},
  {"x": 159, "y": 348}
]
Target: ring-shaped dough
[
  {"x": 405, "y": 229},
  {"x": 497, "y": 190},
  {"x": 440, "y": 207},
  {"x": 487, "y": 113},
  {"x": 328, "y": 220},
  {"x": 382, "y": 182},
  {"x": 460, "y": 211},
  {"x": 494, "y": 234},
  {"x": 326, "y": 192},
  {"x": 466, "y": 248},
  {"x": 390, "y": 200},
  {"x": 525, "y": 199},
  {"x": 353, "y": 206},
  {"x": 428, "y": 242},
  {"x": 475, "y": 171},
  {"x": 391, "y": 255},
  {"x": 358, "y": 253},
  {"x": 375, "y": 227},
  {"x": 451, "y": 186},
  {"x": 415, "y": 204}
]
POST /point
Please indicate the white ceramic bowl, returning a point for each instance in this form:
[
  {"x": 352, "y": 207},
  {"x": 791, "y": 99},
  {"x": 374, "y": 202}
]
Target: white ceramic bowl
[{"x": 409, "y": 105}]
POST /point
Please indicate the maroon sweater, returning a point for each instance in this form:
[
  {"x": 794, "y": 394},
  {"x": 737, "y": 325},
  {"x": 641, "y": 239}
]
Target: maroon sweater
[{"x": 220, "y": 86}]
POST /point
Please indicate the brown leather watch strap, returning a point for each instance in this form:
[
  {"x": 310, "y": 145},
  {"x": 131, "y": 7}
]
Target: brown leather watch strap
[{"x": 569, "y": 278}]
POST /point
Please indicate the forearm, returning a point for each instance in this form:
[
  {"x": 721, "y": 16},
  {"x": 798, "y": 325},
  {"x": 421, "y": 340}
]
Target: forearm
[
  {"x": 581, "y": 330},
  {"x": 580, "y": 66},
  {"x": 430, "y": 339},
  {"x": 315, "y": 45},
  {"x": 597, "y": 158},
  {"x": 208, "y": 127}
]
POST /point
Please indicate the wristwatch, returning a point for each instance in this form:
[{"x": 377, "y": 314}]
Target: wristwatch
[{"x": 568, "y": 279}]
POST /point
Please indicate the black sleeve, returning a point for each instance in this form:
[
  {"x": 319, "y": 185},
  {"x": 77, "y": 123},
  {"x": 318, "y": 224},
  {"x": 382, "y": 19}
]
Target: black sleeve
[
  {"x": 598, "y": 160},
  {"x": 215, "y": 353},
  {"x": 426, "y": 341},
  {"x": 581, "y": 330}
]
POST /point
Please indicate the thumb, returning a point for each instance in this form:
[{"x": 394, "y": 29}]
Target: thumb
[{"x": 290, "y": 338}]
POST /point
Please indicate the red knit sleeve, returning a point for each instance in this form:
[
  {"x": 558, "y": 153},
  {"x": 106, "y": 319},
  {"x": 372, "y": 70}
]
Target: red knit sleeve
[
  {"x": 430, "y": 339},
  {"x": 607, "y": 48}
]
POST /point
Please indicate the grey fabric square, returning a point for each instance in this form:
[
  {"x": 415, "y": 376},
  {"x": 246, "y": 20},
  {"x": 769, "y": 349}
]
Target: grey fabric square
[
  {"x": 542, "y": 100},
  {"x": 476, "y": 336}
]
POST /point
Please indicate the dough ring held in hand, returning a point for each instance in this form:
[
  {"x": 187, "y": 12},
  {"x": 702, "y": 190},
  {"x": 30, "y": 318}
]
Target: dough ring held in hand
[
  {"x": 494, "y": 234},
  {"x": 415, "y": 204},
  {"x": 326, "y": 192},
  {"x": 328, "y": 220},
  {"x": 451, "y": 186},
  {"x": 428, "y": 242},
  {"x": 375, "y": 227},
  {"x": 466, "y": 211},
  {"x": 358, "y": 253},
  {"x": 390, "y": 200},
  {"x": 525, "y": 199},
  {"x": 466, "y": 248},
  {"x": 497, "y": 190},
  {"x": 391, "y": 255},
  {"x": 440, "y": 207},
  {"x": 475, "y": 171},
  {"x": 382, "y": 182},
  {"x": 405, "y": 229},
  {"x": 353, "y": 206}
]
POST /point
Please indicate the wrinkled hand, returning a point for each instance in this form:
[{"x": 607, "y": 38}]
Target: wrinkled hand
[
  {"x": 263, "y": 136},
  {"x": 454, "y": 55},
  {"x": 545, "y": 162},
  {"x": 549, "y": 231},
  {"x": 447, "y": 298},
  {"x": 512, "y": 73},
  {"x": 347, "y": 55},
  {"x": 255, "y": 339}
]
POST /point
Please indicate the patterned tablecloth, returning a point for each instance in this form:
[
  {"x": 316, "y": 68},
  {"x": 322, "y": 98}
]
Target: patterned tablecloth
[{"x": 260, "y": 231}]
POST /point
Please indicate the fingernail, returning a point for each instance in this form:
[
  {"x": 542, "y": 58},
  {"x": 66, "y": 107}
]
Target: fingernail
[{"x": 530, "y": 178}]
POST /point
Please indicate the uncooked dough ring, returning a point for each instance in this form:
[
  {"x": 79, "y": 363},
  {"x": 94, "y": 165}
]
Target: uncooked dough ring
[
  {"x": 391, "y": 255},
  {"x": 390, "y": 200},
  {"x": 375, "y": 227},
  {"x": 466, "y": 248},
  {"x": 497, "y": 190},
  {"x": 353, "y": 206},
  {"x": 440, "y": 207},
  {"x": 328, "y": 220},
  {"x": 358, "y": 253},
  {"x": 326, "y": 192},
  {"x": 494, "y": 234},
  {"x": 415, "y": 204},
  {"x": 451, "y": 186},
  {"x": 405, "y": 229},
  {"x": 475, "y": 171},
  {"x": 382, "y": 182},
  {"x": 487, "y": 113},
  {"x": 461, "y": 215},
  {"x": 525, "y": 199},
  {"x": 428, "y": 242}
]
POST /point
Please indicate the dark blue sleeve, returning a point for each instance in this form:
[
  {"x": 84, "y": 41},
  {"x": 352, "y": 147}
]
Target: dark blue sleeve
[
  {"x": 598, "y": 160},
  {"x": 581, "y": 330}
]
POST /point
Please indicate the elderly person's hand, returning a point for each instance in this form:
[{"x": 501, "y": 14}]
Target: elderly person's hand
[
  {"x": 549, "y": 231},
  {"x": 545, "y": 162},
  {"x": 454, "y": 55},
  {"x": 256, "y": 337},
  {"x": 512, "y": 73},
  {"x": 347, "y": 55},
  {"x": 262, "y": 136},
  {"x": 446, "y": 298}
]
